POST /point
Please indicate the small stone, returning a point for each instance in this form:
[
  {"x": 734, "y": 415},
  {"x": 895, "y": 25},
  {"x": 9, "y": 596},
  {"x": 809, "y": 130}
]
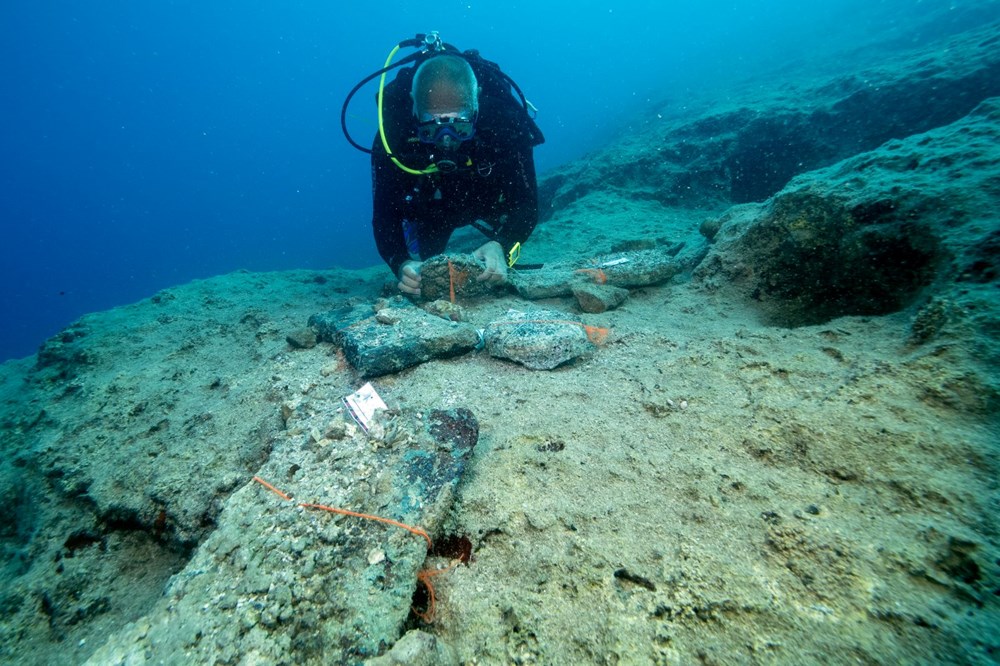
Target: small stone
[
  {"x": 445, "y": 309},
  {"x": 387, "y": 317},
  {"x": 303, "y": 338},
  {"x": 537, "y": 339},
  {"x": 249, "y": 618},
  {"x": 375, "y": 556},
  {"x": 597, "y": 298},
  {"x": 336, "y": 430},
  {"x": 417, "y": 648},
  {"x": 288, "y": 410}
]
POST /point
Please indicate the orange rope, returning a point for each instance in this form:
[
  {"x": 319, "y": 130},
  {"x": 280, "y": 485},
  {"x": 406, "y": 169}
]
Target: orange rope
[
  {"x": 451, "y": 281},
  {"x": 600, "y": 277},
  {"x": 272, "y": 488},
  {"x": 425, "y": 578},
  {"x": 428, "y": 616},
  {"x": 367, "y": 516},
  {"x": 389, "y": 521},
  {"x": 596, "y": 334}
]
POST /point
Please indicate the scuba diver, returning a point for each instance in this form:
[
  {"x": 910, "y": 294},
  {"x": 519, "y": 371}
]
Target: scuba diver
[{"x": 454, "y": 148}]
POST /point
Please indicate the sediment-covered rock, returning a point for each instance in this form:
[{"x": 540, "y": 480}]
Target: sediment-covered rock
[
  {"x": 395, "y": 335},
  {"x": 123, "y": 441},
  {"x": 597, "y": 298},
  {"x": 455, "y": 275},
  {"x": 626, "y": 270},
  {"x": 279, "y": 582},
  {"x": 537, "y": 339},
  {"x": 749, "y": 148},
  {"x": 868, "y": 235}
]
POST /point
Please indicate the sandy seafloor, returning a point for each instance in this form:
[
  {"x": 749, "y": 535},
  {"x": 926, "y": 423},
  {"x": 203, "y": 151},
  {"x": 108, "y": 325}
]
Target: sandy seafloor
[
  {"x": 703, "y": 488},
  {"x": 727, "y": 492},
  {"x": 791, "y": 509}
]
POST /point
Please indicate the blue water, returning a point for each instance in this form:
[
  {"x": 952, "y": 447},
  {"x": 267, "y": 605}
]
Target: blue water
[{"x": 147, "y": 144}]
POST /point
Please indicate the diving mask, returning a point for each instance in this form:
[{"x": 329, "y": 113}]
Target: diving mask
[{"x": 446, "y": 129}]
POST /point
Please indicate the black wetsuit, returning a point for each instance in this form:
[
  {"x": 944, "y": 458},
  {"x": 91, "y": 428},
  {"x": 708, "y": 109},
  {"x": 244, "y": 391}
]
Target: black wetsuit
[{"x": 493, "y": 180}]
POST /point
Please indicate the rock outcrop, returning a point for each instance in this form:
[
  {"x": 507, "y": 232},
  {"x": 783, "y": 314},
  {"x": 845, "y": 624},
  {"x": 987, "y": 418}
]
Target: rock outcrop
[
  {"x": 869, "y": 235},
  {"x": 748, "y": 149},
  {"x": 282, "y": 580}
]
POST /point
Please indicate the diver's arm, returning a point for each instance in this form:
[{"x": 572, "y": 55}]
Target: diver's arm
[
  {"x": 522, "y": 200},
  {"x": 387, "y": 219}
]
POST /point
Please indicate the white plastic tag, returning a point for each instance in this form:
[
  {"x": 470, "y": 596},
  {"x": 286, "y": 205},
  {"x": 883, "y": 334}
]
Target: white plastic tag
[
  {"x": 362, "y": 405},
  {"x": 614, "y": 262}
]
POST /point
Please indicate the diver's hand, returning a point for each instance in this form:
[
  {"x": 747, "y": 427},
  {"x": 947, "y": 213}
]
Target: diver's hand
[
  {"x": 491, "y": 254},
  {"x": 409, "y": 277}
]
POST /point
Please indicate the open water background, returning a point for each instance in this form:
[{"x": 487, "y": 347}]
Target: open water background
[{"x": 146, "y": 144}]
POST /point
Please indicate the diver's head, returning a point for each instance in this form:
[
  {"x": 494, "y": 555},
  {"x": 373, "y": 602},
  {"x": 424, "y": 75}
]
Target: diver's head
[{"x": 445, "y": 101}]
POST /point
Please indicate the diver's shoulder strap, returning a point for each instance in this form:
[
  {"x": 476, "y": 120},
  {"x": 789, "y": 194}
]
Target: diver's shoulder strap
[{"x": 501, "y": 89}]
